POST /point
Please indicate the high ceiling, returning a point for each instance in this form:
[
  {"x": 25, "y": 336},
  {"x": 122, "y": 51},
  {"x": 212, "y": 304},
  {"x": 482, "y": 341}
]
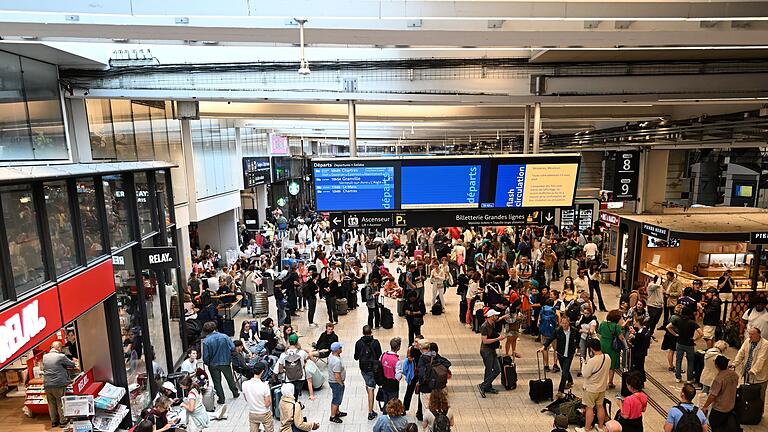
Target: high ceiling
[{"x": 421, "y": 72}]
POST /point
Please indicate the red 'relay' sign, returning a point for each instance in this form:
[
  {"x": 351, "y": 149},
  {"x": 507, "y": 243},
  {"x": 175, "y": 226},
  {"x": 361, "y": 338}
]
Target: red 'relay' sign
[
  {"x": 86, "y": 290},
  {"x": 28, "y": 323}
]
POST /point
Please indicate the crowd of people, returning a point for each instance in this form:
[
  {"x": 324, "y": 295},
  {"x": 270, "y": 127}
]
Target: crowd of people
[{"x": 505, "y": 280}]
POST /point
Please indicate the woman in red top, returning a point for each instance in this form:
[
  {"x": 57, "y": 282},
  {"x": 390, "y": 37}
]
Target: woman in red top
[{"x": 634, "y": 405}]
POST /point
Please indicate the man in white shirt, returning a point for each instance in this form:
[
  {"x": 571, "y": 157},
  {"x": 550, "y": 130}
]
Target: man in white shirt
[
  {"x": 595, "y": 384},
  {"x": 291, "y": 363},
  {"x": 524, "y": 269},
  {"x": 590, "y": 249},
  {"x": 757, "y": 317},
  {"x": 259, "y": 398}
]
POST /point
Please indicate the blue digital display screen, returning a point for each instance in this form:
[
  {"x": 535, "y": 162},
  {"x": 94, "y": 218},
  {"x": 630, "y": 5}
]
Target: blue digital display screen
[
  {"x": 355, "y": 188},
  {"x": 436, "y": 186},
  {"x": 510, "y": 185}
]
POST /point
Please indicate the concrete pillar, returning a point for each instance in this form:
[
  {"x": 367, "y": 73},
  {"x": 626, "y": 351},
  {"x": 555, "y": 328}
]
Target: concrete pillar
[
  {"x": 80, "y": 137},
  {"x": 527, "y": 129},
  {"x": 536, "y": 126},
  {"x": 185, "y": 249},
  {"x": 352, "y": 128},
  {"x": 261, "y": 202},
  {"x": 189, "y": 164},
  {"x": 652, "y": 186}
]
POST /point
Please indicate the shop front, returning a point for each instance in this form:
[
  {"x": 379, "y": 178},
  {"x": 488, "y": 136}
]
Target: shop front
[
  {"x": 694, "y": 244},
  {"x": 72, "y": 272}
]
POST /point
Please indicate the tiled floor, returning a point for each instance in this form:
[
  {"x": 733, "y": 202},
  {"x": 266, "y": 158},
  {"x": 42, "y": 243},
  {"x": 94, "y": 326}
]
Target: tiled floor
[{"x": 508, "y": 411}]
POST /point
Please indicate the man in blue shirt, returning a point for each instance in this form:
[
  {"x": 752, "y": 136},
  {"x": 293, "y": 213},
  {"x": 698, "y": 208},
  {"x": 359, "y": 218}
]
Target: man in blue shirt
[
  {"x": 217, "y": 355},
  {"x": 687, "y": 394}
]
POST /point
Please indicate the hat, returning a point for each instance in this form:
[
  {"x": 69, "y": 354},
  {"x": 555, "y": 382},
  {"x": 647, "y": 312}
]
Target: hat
[
  {"x": 492, "y": 312},
  {"x": 561, "y": 421},
  {"x": 293, "y": 338},
  {"x": 169, "y": 386},
  {"x": 336, "y": 346},
  {"x": 259, "y": 367}
]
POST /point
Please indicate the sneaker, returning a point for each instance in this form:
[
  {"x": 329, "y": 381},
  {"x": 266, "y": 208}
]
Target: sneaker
[
  {"x": 546, "y": 369},
  {"x": 372, "y": 415},
  {"x": 482, "y": 392},
  {"x": 335, "y": 420},
  {"x": 678, "y": 380},
  {"x": 492, "y": 391},
  {"x": 222, "y": 414},
  {"x": 341, "y": 414},
  {"x": 555, "y": 368},
  {"x": 581, "y": 429},
  {"x": 53, "y": 425}
]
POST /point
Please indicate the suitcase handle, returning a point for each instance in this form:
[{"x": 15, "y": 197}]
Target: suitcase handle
[{"x": 538, "y": 364}]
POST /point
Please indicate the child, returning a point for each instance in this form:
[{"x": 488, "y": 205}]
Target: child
[{"x": 560, "y": 423}]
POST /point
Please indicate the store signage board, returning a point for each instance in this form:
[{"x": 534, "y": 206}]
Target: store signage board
[
  {"x": 441, "y": 218},
  {"x": 85, "y": 290},
  {"x": 655, "y": 231},
  {"x": 758, "y": 238},
  {"x": 158, "y": 257},
  {"x": 445, "y": 183},
  {"x": 251, "y": 219},
  {"x": 609, "y": 219},
  {"x": 256, "y": 171},
  {"x": 278, "y": 145},
  {"x": 28, "y": 323},
  {"x": 626, "y": 177}
]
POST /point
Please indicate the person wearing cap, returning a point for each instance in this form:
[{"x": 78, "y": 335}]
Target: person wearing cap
[
  {"x": 337, "y": 375},
  {"x": 168, "y": 390},
  {"x": 259, "y": 398},
  {"x": 292, "y": 412},
  {"x": 712, "y": 313},
  {"x": 491, "y": 341},
  {"x": 289, "y": 354}
]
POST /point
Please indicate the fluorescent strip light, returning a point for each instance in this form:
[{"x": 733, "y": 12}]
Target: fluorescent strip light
[{"x": 725, "y": 99}]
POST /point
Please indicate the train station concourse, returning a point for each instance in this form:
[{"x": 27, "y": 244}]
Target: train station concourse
[{"x": 384, "y": 215}]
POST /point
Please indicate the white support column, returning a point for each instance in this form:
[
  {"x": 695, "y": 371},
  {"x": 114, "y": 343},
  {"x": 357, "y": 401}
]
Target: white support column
[
  {"x": 80, "y": 139},
  {"x": 261, "y": 202},
  {"x": 189, "y": 162},
  {"x": 352, "y": 128},
  {"x": 527, "y": 129},
  {"x": 536, "y": 126}
]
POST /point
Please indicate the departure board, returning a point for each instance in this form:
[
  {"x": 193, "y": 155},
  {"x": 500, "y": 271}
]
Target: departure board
[
  {"x": 354, "y": 186},
  {"x": 536, "y": 185},
  {"x": 440, "y": 186}
]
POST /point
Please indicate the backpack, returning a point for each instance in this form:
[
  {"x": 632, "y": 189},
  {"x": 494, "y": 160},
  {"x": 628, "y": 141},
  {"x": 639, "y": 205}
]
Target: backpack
[
  {"x": 442, "y": 422},
  {"x": 548, "y": 320},
  {"x": 368, "y": 359},
  {"x": 294, "y": 369},
  {"x": 436, "y": 376},
  {"x": 690, "y": 421},
  {"x": 573, "y": 311}
]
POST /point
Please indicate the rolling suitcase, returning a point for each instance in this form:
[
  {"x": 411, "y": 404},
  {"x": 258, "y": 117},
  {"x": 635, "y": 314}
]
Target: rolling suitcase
[
  {"x": 749, "y": 404},
  {"x": 508, "y": 373},
  {"x": 277, "y": 394},
  {"x": 387, "y": 319},
  {"x": 341, "y": 306},
  {"x": 540, "y": 389},
  {"x": 209, "y": 401},
  {"x": 400, "y": 307},
  {"x": 477, "y": 321},
  {"x": 228, "y": 326}
]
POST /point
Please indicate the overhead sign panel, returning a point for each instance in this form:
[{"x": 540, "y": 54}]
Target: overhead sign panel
[
  {"x": 758, "y": 238},
  {"x": 444, "y": 183},
  {"x": 655, "y": 231},
  {"x": 627, "y": 175},
  {"x": 256, "y": 171},
  {"x": 440, "y": 218}
]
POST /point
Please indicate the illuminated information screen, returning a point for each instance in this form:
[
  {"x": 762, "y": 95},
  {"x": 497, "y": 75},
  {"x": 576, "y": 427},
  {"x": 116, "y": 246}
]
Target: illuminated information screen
[
  {"x": 456, "y": 186},
  {"x": 353, "y": 186},
  {"x": 535, "y": 185}
]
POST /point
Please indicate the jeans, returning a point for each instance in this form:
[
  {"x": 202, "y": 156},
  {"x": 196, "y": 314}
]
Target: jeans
[
  {"x": 312, "y": 305},
  {"x": 282, "y": 316},
  {"x": 492, "y": 368},
  {"x": 548, "y": 276},
  {"x": 413, "y": 330},
  {"x": 330, "y": 304},
  {"x": 374, "y": 317},
  {"x": 249, "y": 296},
  {"x": 689, "y": 351},
  {"x": 216, "y": 372},
  {"x": 654, "y": 315},
  {"x": 594, "y": 286},
  {"x": 565, "y": 372}
]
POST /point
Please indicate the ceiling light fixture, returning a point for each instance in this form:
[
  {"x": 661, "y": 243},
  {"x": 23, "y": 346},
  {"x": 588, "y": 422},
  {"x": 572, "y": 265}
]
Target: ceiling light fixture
[{"x": 304, "y": 65}]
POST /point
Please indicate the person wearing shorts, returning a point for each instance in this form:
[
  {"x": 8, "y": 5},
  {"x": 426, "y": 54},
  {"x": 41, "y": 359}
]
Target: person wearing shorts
[
  {"x": 336, "y": 377},
  {"x": 595, "y": 374}
]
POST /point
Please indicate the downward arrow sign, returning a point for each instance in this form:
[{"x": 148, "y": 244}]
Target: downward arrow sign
[{"x": 548, "y": 217}]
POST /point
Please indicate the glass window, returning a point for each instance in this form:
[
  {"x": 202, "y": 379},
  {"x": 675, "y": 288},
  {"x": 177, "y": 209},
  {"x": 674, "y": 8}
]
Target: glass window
[
  {"x": 100, "y": 128},
  {"x": 143, "y": 130},
  {"x": 152, "y": 281},
  {"x": 178, "y": 175},
  {"x": 174, "y": 313},
  {"x": 159, "y": 134},
  {"x": 144, "y": 200},
  {"x": 134, "y": 341},
  {"x": 20, "y": 216},
  {"x": 162, "y": 197},
  {"x": 117, "y": 211},
  {"x": 57, "y": 205},
  {"x": 89, "y": 218},
  {"x": 125, "y": 144},
  {"x": 15, "y": 141},
  {"x": 41, "y": 86}
]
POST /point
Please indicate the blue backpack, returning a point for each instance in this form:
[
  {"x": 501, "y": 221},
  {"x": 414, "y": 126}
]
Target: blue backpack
[{"x": 548, "y": 321}]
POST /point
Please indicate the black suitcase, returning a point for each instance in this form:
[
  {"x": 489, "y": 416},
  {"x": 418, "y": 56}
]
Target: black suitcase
[
  {"x": 698, "y": 366},
  {"x": 400, "y": 307},
  {"x": 540, "y": 389},
  {"x": 228, "y": 326},
  {"x": 463, "y": 310},
  {"x": 437, "y": 308},
  {"x": 749, "y": 404},
  {"x": 508, "y": 373},
  {"x": 387, "y": 320},
  {"x": 477, "y": 321}
]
